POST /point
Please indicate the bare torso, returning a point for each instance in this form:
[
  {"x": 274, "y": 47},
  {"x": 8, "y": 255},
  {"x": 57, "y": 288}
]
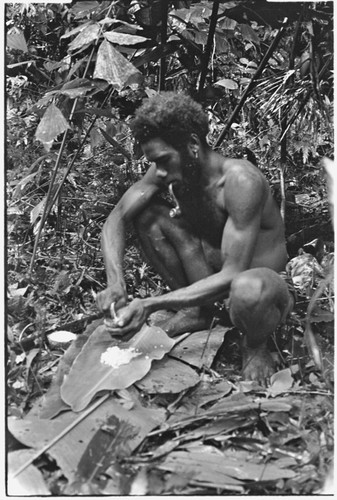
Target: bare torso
[{"x": 203, "y": 205}]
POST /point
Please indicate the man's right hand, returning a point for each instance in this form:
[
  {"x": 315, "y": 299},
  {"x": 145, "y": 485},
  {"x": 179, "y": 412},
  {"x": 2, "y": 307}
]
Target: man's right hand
[{"x": 112, "y": 294}]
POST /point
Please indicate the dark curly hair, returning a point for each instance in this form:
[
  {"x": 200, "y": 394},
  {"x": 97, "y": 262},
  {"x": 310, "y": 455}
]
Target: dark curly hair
[{"x": 172, "y": 117}]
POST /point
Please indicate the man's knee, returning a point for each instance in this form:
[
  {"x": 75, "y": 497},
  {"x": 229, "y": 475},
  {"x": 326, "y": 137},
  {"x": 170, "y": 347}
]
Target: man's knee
[
  {"x": 260, "y": 287},
  {"x": 246, "y": 289}
]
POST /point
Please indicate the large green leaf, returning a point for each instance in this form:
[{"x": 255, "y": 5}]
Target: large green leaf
[
  {"x": 123, "y": 38},
  {"x": 76, "y": 30},
  {"x": 69, "y": 449},
  {"x": 51, "y": 403},
  {"x": 199, "y": 348},
  {"x": 16, "y": 40},
  {"x": 227, "y": 83},
  {"x": 85, "y": 37},
  {"x": 281, "y": 382},
  {"x": 249, "y": 34},
  {"x": 114, "y": 68},
  {"x": 168, "y": 376},
  {"x": 52, "y": 124},
  {"x": 82, "y": 9},
  {"x": 30, "y": 481},
  {"x": 148, "y": 344}
]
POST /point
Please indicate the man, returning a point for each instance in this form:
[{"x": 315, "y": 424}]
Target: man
[{"x": 223, "y": 240}]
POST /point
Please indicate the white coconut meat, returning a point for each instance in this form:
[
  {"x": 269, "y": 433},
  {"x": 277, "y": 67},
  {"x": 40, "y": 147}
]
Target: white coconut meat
[{"x": 115, "y": 357}]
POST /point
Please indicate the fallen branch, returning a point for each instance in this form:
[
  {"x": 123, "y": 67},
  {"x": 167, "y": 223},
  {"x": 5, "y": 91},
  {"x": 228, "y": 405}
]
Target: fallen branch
[{"x": 60, "y": 436}]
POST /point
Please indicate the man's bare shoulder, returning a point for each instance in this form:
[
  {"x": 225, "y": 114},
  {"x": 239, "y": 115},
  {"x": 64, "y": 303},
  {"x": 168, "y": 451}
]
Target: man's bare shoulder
[
  {"x": 240, "y": 165},
  {"x": 244, "y": 186},
  {"x": 241, "y": 173}
]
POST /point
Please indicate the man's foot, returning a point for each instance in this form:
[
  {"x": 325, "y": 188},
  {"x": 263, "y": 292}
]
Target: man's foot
[
  {"x": 186, "y": 320},
  {"x": 257, "y": 364}
]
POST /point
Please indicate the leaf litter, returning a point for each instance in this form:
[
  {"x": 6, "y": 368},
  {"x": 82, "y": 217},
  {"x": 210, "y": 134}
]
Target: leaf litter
[{"x": 225, "y": 436}]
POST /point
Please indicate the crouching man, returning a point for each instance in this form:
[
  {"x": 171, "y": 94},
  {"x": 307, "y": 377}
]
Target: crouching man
[{"x": 223, "y": 239}]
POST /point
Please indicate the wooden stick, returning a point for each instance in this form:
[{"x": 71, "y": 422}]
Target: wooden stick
[{"x": 60, "y": 436}]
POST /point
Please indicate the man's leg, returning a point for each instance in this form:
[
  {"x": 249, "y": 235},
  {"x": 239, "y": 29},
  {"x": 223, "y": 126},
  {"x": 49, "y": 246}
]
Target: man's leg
[
  {"x": 259, "y": 303},
  {"x": 178, "y": 256}
]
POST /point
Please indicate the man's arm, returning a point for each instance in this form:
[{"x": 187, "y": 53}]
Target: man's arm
[
  {"x": 130, "y": 205},
  {"x": 244, "y": 194}
]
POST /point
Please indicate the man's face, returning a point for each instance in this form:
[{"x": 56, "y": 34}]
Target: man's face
[{"x": 170, "y": 163}]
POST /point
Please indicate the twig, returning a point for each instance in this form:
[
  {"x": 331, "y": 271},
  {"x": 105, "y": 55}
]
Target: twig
[{"x": 60, "y": 436}]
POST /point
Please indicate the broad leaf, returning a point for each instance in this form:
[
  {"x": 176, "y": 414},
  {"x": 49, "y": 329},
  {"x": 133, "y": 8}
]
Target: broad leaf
[
  {"x": 280, "y": 382},
  {"x": 123, "y": 38},
  {"x": 29, "y": 482},
  {"x": 80, "y": 9},
  {"x": 51, "y": 404},
  {"x": 95, "y": 139},
  {"x": 108, "y": 112},
  {"x": 115, "y": 68},
  {"x": 148, "y": 344},
  {"x": 37, "y": 210},
  {"x": 199, "y": 349},
  {"x": 249, "y": 34},
  {"x": 226, "y": 24},
  {"x": 319, "y": 315},
  {"x": 52, "y": 124},
  {"x": 73, "y": 93},
  {"x": 69, "y": 450},
  {"x": 113, "y": 440},
  {"x": 16, "y": 40},
  {"x": 75, "y": 30},
  {"x": 222, "y": 469},
  {"x": 22, "y": 184},
  {"x": 168, "y": 376},
  {"x": 228, "y": 84},
  {"x": 85, "y": 37},
  {"x": 203, "y": 394}
]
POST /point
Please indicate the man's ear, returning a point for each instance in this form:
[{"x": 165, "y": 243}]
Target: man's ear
[{"x": 193, "y": 145}]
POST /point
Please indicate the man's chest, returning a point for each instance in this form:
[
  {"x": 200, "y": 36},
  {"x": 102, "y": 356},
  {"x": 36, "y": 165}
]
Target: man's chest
[{"x": 203, "y": 210}]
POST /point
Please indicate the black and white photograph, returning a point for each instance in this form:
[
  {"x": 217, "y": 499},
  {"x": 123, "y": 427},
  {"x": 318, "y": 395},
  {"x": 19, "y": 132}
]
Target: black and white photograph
[{"x": 168, "y": 248}]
